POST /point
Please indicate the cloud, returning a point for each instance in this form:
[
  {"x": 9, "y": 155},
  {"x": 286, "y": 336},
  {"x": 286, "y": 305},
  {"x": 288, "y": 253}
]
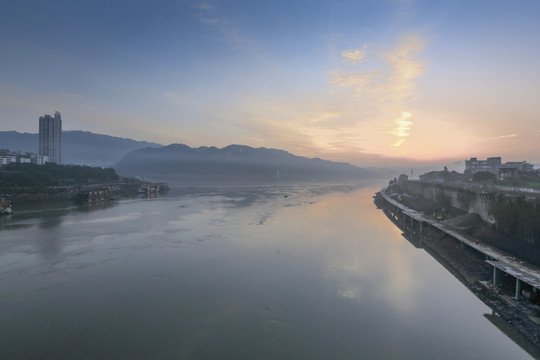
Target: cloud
[
  {"x": 398, "y": 143},
  {"x": 389, "y": 83},
  {"x": 403, "y": 59},
  {"x": 394, "y": 75},
  {"x": 354, "y": 57},
  {"x": 205, "y": 6},
  {"x": 402, "y": 129},
  {"x": 509, "y": 136},
  {"x": 403, "y": 124},
  {"x": 224, "y": 26},
  {"x": 367, "y": 109},
  {"x": 362, "y": 81}
]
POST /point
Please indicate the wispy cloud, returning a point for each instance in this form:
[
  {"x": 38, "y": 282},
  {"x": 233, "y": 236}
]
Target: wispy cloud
[
  {"x": 406, "y": 67},
  {"x": 368, "y": 108},
  {"x": 363, "y": 82},
  {"x": 354, "y": 57},
  {"x": 509, "y": 136},
  {"x": 224, "y": 26},
  {"x": 393, "y": 72},
  {"x": 403, "y": 126},
  {"x": 398, "y": 143},
  {"x": 389, "y": 82},
  {"x": 205, "y": 6}
]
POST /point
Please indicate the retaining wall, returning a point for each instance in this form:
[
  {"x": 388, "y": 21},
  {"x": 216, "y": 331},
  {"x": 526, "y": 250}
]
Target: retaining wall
[{"x": 464, "y": 199}]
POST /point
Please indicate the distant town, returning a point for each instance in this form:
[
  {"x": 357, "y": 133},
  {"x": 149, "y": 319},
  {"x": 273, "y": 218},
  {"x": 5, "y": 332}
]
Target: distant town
[
  {"x": 50, "y": 144},
  {"x": 492, "y": 169}
]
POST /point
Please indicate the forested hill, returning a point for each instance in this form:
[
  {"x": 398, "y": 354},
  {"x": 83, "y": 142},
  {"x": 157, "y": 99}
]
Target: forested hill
[
  {"x": 78, "y": 147},
  {"x": 18, "y": 178},
  {"x": 232, "y": 163}
]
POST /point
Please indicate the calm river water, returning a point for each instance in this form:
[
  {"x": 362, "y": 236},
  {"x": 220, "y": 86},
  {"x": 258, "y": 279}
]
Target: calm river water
[{"x": 276, "y": 272}]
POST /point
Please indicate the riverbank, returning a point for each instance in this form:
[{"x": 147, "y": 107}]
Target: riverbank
[
  {"x": 470, "y": 267},
  {"x": 117, "y": 190}
]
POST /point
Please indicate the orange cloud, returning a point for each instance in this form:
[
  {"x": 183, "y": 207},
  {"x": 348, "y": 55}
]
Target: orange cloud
[{"x": 367, "y": 110}]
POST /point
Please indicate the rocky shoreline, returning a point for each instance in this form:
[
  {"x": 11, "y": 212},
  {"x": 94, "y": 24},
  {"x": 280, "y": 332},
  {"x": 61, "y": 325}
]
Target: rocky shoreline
[{"x": 472, "y": 270}]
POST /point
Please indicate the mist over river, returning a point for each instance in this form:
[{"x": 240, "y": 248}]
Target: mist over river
[{"x": 262, "y": 272}]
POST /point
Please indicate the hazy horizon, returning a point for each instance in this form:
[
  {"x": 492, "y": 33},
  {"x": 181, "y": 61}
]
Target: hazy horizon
[{"x": 394, "y": 83}]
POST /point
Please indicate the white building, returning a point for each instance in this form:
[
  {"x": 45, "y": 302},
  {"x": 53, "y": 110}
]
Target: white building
[{"x": 7, "y": 159}]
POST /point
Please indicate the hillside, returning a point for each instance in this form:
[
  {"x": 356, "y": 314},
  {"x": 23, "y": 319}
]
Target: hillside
[
  {"x": 232, "y": 163},
  {"x": 31, "y": 178},
  {"x": 78, "y": 147}
]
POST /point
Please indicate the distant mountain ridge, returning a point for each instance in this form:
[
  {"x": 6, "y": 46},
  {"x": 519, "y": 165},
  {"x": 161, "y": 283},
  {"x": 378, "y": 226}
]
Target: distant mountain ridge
[
  {"x": 231, "y": 163},
  {"x": 78, "y": 147}
]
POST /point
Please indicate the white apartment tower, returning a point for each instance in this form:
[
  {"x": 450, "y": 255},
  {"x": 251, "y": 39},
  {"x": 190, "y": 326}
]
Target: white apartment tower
[{"x": 50, "y": 137}]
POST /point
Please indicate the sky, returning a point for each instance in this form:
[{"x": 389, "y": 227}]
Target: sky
[{"x": 373, "y": 83}]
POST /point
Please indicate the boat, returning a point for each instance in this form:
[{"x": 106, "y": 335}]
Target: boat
[
  {"x": 91, "y": 196},
  {"x": 147, "y": 189},
  {"x": 5, "y": 205},
  {"x": 162, "y": 187}
]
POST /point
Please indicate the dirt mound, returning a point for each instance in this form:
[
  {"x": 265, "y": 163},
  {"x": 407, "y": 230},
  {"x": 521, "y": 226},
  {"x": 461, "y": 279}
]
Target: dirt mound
[{"x": 418, "y": 203}]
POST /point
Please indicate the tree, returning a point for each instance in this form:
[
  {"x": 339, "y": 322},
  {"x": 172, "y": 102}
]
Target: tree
[{"x": 483, "y": 176}]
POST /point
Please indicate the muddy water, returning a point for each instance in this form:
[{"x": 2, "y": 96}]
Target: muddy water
[{"x": 276, "y": 272}]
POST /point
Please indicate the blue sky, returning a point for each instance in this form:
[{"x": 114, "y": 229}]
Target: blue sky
[{"x": 369, "y": 82}]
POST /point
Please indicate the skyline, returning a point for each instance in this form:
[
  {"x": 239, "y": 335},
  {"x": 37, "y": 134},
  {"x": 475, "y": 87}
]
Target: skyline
[{"x": 372, "y": 83}]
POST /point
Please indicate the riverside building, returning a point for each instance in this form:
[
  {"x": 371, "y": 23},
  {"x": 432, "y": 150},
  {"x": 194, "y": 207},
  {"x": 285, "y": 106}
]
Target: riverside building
[{"x": 50, "y": 137}]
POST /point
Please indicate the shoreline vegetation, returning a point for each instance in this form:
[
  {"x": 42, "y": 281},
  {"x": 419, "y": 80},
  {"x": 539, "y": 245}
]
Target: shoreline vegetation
[
  {"x": 27, "y": 183},
  {"x": 519, "y": 319}
]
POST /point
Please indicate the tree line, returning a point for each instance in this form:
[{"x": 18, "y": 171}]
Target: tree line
[
  {"x": 516, "y": 216},
  {"x": 17, "y": 178}
]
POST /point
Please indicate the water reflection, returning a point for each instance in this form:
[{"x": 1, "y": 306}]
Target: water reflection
[
  {"x": 513, "y": 334},
  {"x": 273, "y": 272},
  {"x": 50, "y": 243},
  {"x": 96, "y": 206}
]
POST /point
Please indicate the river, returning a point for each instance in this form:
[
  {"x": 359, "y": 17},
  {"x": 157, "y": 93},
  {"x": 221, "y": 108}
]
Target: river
[{"x": 262, "y": 272}]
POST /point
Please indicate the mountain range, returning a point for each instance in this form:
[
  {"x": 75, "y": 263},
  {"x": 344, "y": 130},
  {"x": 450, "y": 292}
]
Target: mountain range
[
  {"x": 78, "y": 147},
  {"x": 180, "y": 162},
  {"x": 233, "y": 163}
]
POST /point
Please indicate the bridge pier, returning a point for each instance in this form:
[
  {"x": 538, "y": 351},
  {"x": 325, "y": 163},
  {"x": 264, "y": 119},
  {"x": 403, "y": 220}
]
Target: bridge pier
[
  {"x": 518, "y": 289},
  {"x": 495, "y": 277}
]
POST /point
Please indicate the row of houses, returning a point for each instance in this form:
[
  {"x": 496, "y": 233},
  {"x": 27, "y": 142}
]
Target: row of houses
[
  {"x": 496, "y": 166},
  {"x": 7, "y": 157}
]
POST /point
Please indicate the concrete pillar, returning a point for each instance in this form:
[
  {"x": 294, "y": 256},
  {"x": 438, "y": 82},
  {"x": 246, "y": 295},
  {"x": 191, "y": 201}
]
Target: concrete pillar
[
  {"x": 421, "y": 227},
  {"x": 495, "y": 276},
  {"x": 518, "y": 289}
]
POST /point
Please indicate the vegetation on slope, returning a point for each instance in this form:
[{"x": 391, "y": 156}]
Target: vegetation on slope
[{"x": 30, "y": 178}]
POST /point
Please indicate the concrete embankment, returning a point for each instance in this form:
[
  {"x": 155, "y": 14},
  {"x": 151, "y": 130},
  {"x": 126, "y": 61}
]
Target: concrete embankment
[{"x": 469, "y": 266}]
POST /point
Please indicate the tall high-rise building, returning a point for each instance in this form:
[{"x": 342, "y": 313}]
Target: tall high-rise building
[{"x": 50, "y": 137}]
